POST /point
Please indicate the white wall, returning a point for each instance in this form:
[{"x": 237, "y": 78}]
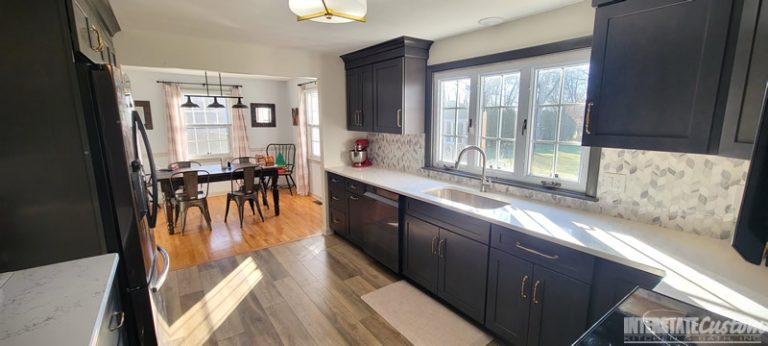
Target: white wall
[
  {"x": 561, "y": 24},
  {"x": 145, "y": 87}
]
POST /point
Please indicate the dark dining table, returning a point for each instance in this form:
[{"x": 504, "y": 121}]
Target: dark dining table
[{"x": 215, "y": 174}]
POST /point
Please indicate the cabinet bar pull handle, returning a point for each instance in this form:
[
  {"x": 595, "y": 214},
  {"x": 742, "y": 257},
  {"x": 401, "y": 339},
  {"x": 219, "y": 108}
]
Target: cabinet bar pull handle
[
  {"x": 100, "y": 44},
  {"x": 354, "y": 198},
  {"x": 522, "y": 287},
  {"x": 434, "y": 240},
  {"x": 399, "y": 118},
  {"x": 551, "y": 257},
  {"x": 336, "y": 221},
  {"x": 535, "y": 290},
  {"x": 587, "y": 124},
  {"x": 334, "y": 198},
  {"x": 361, "y": 117},
  {"x": 120, "y": 318},
  {"x": 441, "y": 248}
]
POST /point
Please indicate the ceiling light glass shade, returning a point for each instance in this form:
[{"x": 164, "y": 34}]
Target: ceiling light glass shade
[
  {"x": 239, "y": 104},
  {"x": 215, "y": 103},
  {"x": 329, "y": 11},
  {"x": 189, "y": 103}
]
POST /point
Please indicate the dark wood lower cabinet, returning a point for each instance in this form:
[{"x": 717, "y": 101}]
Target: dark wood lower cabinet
[
  {"x": 462, "y": 280},
  {"x": 509, "y": 295},
  {"x": 532, "y": 305},
  {"x": 559, "y": 306},
  {"x": 420, "y": 262}
]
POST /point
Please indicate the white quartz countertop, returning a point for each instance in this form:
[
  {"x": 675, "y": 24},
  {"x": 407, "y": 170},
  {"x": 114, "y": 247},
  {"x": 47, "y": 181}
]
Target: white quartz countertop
[
  {"x": 57, "y": 304},
  {"x": 699, "y": 270}
]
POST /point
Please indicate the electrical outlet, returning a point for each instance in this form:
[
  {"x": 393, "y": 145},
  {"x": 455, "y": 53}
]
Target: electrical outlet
[{"x": 614, "y": 182}]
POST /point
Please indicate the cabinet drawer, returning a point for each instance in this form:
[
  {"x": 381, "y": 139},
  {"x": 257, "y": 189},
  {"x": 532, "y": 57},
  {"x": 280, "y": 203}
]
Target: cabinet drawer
[
  {"x": 338, "y": 222},
  {"x": 462, "y": 224},
  {"x": 570, "y": 262},
  {"x": 355, "y": 187},
  {"x": 337, "y": 200},
  {"x": 111, "y": 329},
  {"x": 336, "y": 182}
]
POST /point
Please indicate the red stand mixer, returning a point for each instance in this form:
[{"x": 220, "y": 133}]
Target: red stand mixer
[{"x": 359, "y": 154}]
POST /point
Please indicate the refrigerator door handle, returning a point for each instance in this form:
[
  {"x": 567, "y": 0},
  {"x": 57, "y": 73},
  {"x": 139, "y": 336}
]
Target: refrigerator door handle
[
  {"x": 152, "y": 209},
  {"x": 166, "y": 268}
]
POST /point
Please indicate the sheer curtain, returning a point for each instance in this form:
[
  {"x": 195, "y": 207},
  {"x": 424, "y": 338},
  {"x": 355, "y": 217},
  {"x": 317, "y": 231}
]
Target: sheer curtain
[
  {"x": 239, "y": 131},
  {"x": 177, "y": 133},
  {"x": 302, "y": 169}
]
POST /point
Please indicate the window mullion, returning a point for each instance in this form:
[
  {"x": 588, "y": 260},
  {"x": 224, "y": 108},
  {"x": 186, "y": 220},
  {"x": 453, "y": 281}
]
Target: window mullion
[
  {"x": 473, "y": 137},
  {"x": 524, "y": 111}
]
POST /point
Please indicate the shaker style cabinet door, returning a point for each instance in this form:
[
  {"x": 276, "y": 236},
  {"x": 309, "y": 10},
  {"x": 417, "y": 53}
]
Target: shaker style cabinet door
[
  {"x": 420, "y": 252},
  {"x": 463, "y": 273},
  {"x": 388, "y": 96},
  {"x": 509, "y": 296},
  {"x": 655, "y": 74},
  {"x": 559, "y": 306}
]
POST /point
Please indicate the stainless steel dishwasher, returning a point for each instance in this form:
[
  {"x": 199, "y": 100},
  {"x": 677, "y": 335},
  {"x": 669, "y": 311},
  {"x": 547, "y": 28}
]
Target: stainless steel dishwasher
[{"x": 375, "y": 216}]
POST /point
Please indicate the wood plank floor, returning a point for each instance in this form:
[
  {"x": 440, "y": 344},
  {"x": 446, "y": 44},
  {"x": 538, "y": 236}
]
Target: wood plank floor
[
  {"x": 299, "y": 218},
  {"x": 305, "y": 292}
]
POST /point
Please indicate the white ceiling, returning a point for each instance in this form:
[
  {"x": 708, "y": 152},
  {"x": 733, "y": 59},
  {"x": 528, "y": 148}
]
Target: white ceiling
[
  {"x": 212, "y": 75},
  {"x": 270, "y": 22}
]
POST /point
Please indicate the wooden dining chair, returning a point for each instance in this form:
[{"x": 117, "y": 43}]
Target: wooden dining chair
[
  {"x": 183, "y": 164},
  {"x": 244, "y": 187},
  {"x": 288, "y": 152},
  {"x": 193, "y": 193}
]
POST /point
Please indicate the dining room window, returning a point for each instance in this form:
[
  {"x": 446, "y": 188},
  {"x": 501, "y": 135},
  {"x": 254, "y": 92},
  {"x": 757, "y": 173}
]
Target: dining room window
[
  {"x": 313, "y": 122},
  {"x": 526, "y": 114},
  {"x": 208, "y": 129}
]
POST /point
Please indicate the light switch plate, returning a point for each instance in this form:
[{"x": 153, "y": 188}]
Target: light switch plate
[{"x": 614, "y": 182}]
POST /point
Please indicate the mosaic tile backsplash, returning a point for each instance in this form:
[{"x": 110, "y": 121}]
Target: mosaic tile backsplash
[{"x": 692, "y": 193}]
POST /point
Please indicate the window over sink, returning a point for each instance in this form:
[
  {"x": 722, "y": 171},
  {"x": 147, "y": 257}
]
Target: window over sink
[{"x": 526, "y": 114}]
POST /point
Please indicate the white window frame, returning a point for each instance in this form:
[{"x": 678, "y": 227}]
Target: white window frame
[
  {"x": 523, "y": 152},
  {"x": 308, "y": 90},
  {"x": 228, "y": 126}
]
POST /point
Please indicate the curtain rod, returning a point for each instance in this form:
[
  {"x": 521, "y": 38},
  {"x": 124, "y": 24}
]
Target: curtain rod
[
  {"x": 201, "y": 84},
  {"x": 305, "y": 83}
]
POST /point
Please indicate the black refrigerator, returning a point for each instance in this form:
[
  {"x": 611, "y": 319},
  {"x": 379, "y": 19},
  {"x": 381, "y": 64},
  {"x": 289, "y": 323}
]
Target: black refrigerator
[{"x": 72, "y": 184}]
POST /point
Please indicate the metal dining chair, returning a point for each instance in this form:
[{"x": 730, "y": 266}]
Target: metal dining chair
[
  {"x": 244, "y": 187},
  {"x": 288, "y": 152},
  {"x": 183, "y": 164},
  {"x": 193, "y": 193},
  {"x": 243, "y": 159}
]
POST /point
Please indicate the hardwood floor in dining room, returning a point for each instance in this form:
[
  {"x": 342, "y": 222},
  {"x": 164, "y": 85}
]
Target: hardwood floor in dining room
[{"x": 300, "y": 217}]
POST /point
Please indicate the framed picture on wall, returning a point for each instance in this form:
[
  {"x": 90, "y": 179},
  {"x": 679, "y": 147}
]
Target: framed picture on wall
[
  {"x": 145, "y": 112},
  {"x": 263, "y": 115}
]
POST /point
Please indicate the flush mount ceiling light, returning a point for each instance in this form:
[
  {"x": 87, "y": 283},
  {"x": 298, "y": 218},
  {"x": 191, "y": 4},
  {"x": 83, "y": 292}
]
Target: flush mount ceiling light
[
  {"x": 490, "y": 21},
  {"x": 329, "y": 11}
]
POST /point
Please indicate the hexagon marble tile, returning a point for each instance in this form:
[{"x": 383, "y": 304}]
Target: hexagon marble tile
[{"x": 692, "y": 193}]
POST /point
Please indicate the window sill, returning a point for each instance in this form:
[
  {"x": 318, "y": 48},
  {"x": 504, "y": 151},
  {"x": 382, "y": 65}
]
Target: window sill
[{"x": 559, "y": 192}]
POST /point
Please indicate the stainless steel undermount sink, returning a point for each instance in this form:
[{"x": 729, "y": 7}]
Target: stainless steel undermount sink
[{"x": 466, "y": 198}]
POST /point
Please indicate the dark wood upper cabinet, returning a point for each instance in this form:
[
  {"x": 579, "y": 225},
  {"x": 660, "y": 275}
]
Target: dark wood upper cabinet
[
  {"x": 360, "y": 99},
  {"x": 659, "y": 74},
  {"x": 748, "y": 82},
  {"x": 386, "y": 86}
]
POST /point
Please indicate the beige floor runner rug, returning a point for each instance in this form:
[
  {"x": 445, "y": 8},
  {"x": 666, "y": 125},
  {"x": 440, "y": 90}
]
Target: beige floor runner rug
[{"x": 421, "y": 319}]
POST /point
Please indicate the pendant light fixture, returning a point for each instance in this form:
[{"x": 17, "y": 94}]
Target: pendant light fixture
[
  {"x": 329, "y": 11},
  {"x": 239, "y": 104},
  {"x": 216, "y": 103},
  {"x": 189, "y": 103}
]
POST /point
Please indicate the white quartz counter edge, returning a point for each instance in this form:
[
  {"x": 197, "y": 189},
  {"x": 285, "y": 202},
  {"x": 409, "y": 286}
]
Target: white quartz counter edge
[
  {"x": 698, "y": 270},
  {"x": 57, "y": 303}
]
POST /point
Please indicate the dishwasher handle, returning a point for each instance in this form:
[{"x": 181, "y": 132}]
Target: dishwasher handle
[{"x": 381, "y": 199}]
